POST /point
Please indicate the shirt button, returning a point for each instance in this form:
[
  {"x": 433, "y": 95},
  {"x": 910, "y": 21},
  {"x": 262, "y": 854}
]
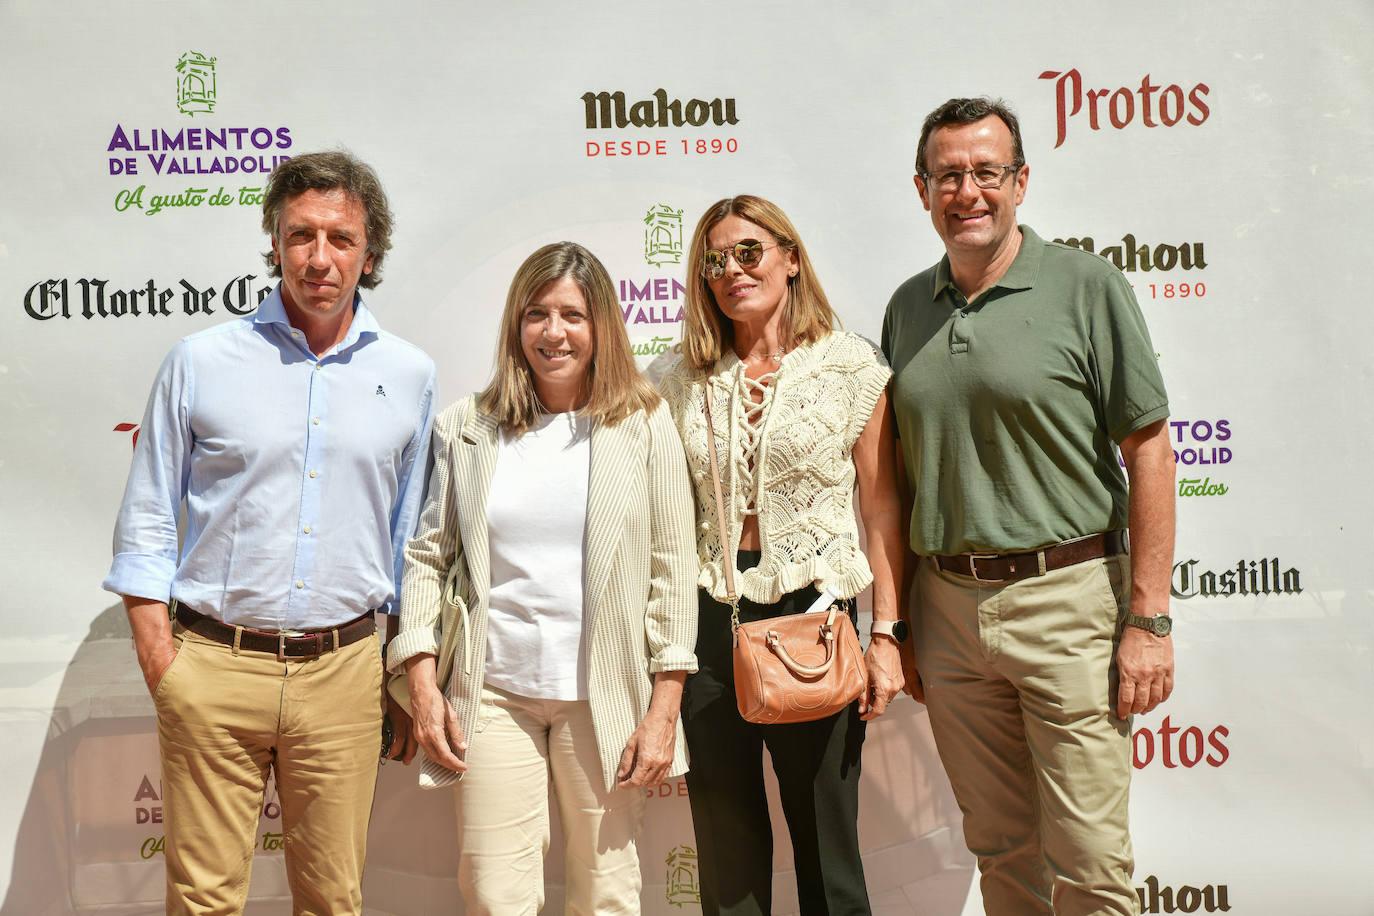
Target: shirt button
[
  {"x": 312, "y": 473},
  {"x": 318, "y": 367},
  {"x": 317, "y": 421},
  {"x": 300, "y": 583},
  {"x": 306, "y": 529}
]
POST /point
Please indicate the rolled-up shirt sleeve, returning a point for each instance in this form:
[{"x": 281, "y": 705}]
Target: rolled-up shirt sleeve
[
  {"x": 671, "y": 618},
  {"x": 415, "y": 466},
  {"x": 145, "y": 536}
]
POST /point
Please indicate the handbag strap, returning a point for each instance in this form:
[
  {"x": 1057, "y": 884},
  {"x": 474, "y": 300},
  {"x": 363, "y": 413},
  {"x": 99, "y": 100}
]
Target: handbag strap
[{"x": 727, "y": 560}]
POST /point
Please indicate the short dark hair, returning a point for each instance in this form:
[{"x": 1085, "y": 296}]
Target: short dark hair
[
  {"x": 326, "y": 172},
  {"x": 967, "y": 111}
]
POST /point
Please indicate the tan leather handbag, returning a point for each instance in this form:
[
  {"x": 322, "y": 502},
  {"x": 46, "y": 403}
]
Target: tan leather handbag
[{"x": 795, "y": 668}]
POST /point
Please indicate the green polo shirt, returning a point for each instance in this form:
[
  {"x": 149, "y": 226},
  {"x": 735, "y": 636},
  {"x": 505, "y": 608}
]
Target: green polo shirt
[{"x": 1010, "y": 407}]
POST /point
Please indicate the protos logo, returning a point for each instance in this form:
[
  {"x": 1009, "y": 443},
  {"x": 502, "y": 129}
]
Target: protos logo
[
  {"x": 1119, "y": 105},
  {"x": 1174, "y": 746}
]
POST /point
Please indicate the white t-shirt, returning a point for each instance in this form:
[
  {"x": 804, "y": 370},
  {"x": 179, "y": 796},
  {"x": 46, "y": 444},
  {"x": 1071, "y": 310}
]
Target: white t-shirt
[{"x": 536, "y": 529}]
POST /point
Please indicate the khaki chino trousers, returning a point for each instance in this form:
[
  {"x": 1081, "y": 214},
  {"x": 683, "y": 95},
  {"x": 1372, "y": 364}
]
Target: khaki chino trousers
[
  {"x": 1020, "y": 684},
  {"x": 224, "y": 721},
  {"x": 521, "y": 748}
]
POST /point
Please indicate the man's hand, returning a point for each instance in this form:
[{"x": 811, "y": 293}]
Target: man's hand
[
  {"x": 912, "y": 678},
  {"x": 1144, "y": 661},
  {"x": 1145, "y": 664},
  {"x": 884, "y": 677},
  {"x": 153, "y": 643},
  {"x": 404, "y": 745},
  {"x": 434, "y": 722}
]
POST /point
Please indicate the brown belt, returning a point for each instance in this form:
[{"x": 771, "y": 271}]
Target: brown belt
[
  {"x": 1007, "y": 567},
  {"x": 284, "y": 643}
]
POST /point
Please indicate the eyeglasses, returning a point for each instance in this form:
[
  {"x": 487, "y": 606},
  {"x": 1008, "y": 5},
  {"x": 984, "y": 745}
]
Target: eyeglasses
[
  {"x": 747, "y": 253},
  {"x": 985, "y": 176}
]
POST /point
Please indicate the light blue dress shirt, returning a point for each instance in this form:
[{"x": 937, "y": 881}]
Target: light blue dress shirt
[{"x": 301, "y": 476}]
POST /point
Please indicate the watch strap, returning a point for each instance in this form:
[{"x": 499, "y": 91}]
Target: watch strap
[
  {"x": 1160, "y": 624},
  {"x": 894, "y": 629}
]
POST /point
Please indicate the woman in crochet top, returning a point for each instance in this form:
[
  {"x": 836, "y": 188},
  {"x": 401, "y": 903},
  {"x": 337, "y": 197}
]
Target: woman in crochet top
[{"x": 799, "y": 416}]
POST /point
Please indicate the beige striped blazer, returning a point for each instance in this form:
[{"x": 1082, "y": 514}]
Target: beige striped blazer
[{"x": 639, "y": 600}]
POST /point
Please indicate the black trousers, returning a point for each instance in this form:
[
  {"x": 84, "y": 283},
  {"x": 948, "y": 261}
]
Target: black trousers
[{"x": 817, "y": 768}]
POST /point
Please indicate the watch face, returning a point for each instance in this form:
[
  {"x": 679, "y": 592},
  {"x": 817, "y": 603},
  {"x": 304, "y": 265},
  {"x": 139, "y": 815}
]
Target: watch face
[
  {"x": 1162, "y": 625},
  {"x": 900, "y": 631}
]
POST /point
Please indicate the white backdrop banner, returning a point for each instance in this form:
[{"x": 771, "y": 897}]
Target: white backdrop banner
[{"x": 1217, "y": 154}]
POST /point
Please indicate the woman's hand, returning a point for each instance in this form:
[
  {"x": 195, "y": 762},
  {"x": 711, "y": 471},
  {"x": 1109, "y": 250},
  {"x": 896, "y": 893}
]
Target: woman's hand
[
  {"x": 885, "y": 677},
  {"x": 434, "y": 723},
  {"x": 649, "y": 752}
]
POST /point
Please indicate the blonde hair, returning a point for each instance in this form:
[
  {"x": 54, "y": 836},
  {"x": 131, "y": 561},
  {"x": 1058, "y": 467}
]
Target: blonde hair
[
  {"x": 807, "y": 315},
  {"x": 615, "y": 389}
]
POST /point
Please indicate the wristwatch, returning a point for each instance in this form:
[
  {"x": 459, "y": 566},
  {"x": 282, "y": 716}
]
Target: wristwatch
[
  {"x": 897, "y": 629},
  {"x": 1160, "y": 624}
]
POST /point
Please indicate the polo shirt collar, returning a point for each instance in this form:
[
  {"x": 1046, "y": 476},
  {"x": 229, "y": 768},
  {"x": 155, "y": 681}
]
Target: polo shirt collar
[{"x": 1024, "y": 269}]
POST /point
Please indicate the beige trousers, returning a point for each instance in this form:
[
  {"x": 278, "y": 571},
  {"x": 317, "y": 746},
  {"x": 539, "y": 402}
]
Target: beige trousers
[
  {"x": 224, "y": 721},
  {"x": 1020, "y": 683},
  {"x": 520, "y": 745}
]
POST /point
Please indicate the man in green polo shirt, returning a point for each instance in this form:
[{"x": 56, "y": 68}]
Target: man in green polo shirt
[{"x": 1021, "y": 368}]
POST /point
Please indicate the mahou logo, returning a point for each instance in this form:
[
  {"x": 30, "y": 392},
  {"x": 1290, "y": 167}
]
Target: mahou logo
[
  {"x": 609, "y": 109},
  {"x": 1132, "y": 255},
  {"x": 1152, "y": 104},
  {"x": 1186, "y": 898}
]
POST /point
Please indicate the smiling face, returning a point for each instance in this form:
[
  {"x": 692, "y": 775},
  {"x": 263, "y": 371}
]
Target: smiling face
[
  {"x": 977, "y": 225},
  {"x": 752, "y": 295},
  {"x": 558, "y": 340},
  {"x": 321, "y": 246}
]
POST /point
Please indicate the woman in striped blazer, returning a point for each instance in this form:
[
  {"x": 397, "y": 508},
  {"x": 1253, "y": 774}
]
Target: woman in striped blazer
[{"x": 548, "y": 611}]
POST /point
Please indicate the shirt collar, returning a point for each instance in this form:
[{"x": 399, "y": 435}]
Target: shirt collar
[
  {"x": 1024, "y": 269},
  {"x": 273, "y": 311}
]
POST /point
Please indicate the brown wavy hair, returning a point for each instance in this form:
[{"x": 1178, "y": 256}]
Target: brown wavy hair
[{"x": 326, "y": 172}]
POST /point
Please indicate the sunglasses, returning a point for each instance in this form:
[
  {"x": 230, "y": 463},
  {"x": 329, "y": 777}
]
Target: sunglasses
[{"x": 747, "y": 253}]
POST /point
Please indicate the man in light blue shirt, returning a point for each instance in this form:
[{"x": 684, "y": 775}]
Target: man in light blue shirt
[{"x": 296, "y": 438}]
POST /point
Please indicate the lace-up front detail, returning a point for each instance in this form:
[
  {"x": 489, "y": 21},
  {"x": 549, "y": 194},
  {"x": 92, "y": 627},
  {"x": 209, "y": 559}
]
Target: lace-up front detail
[
  {"x": 749, "y": 403},
  {"x": 784, "y": 442}
]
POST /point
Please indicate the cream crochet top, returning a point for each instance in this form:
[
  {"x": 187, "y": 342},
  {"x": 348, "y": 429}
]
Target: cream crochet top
[{"x": 787, "y": 459}]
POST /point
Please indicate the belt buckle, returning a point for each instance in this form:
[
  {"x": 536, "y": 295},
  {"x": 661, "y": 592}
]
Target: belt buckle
[
  {"x": 282, "y": 637},
  {"x": 973, "y": 559}
]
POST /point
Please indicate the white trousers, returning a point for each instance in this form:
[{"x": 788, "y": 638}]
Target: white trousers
[{"x": 520, "y": 745}]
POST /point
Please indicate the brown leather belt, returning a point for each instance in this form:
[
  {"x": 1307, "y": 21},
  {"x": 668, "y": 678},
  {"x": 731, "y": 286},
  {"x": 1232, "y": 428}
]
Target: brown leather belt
[
  {"x": 1008, "y": 567},
  {"x": 284, "y": 643}
]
